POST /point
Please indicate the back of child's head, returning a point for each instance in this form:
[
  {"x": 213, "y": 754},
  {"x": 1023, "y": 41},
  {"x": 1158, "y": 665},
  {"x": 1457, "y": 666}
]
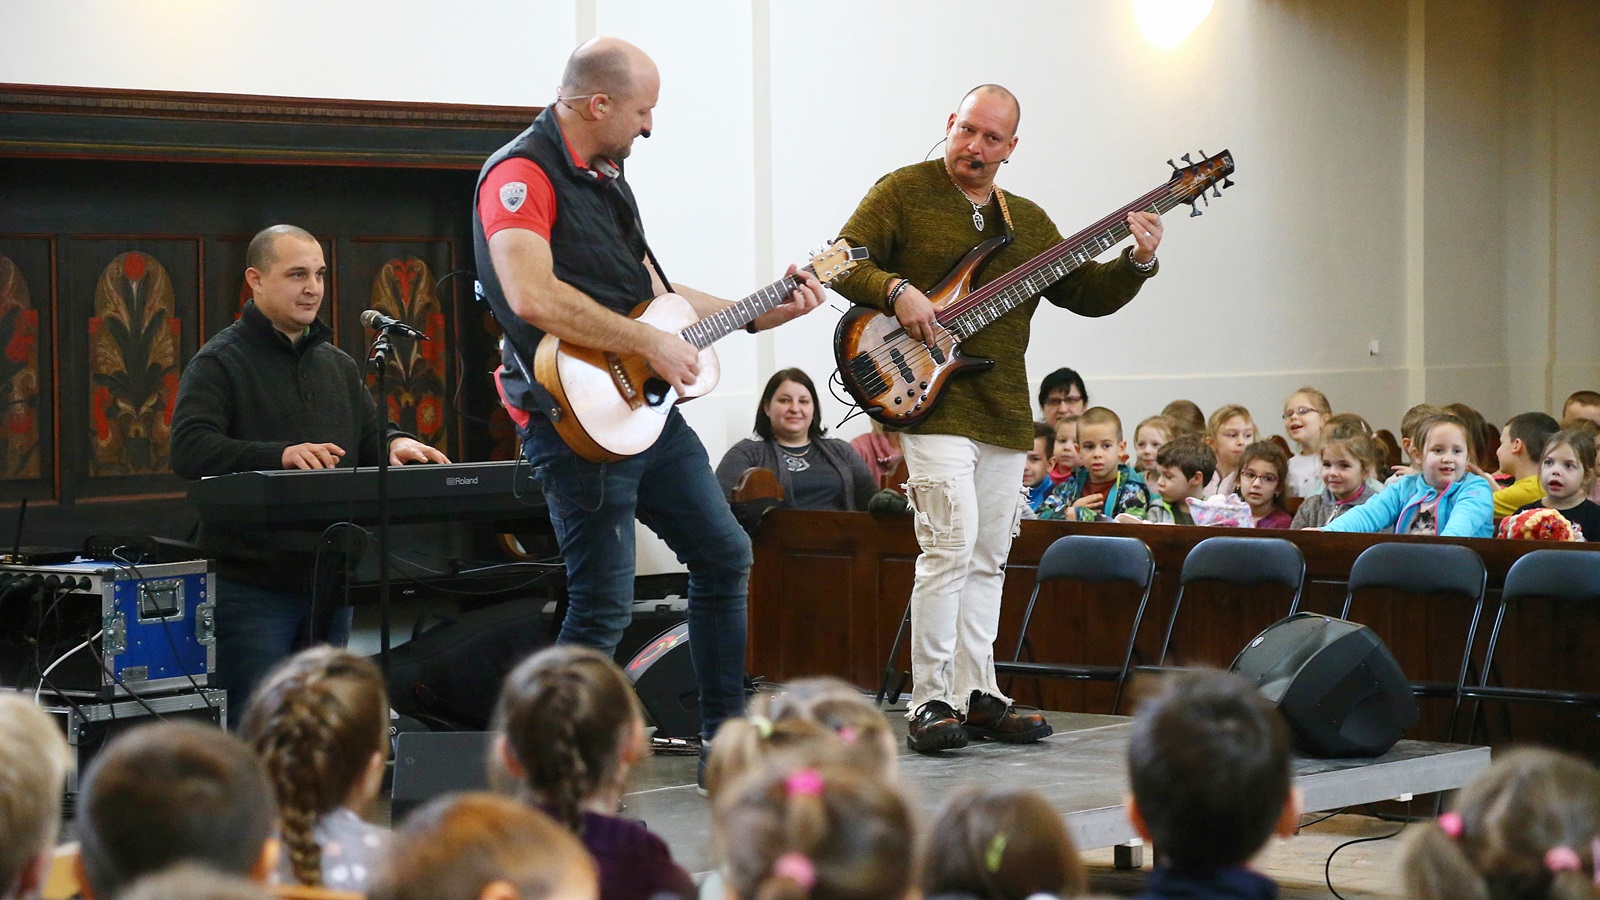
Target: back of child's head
[
  {"x": 316, "y": 724},
  {"x": 1345, "y": 425},
  {"x": 1532, "y": 429},
  {"x": 1477, "y": 428},
  {"x": 1048, "y": 433},
  {"x": 1525, "y": 828},
  {"x": 188, "y": 881},
  {"x": 34, "y": 761},
  {"x": 567, "y": 716},
  {"x": 1189, "y": 454},
  {"x": 814, "y": 721},
  {"x": 170, "y": 792},
  {"x": 1222, "y": 415},
  {"x": 1209, "y": 760},
  {"x": 1000, "y": 844},
  {"x": 1187, "y": 415},
  {"x": 1413, "y": 418},
  {"x": 1270, "y": 453},
  {"x": 826, "y": 833},
  {"x": 457, "y": 845},
  {"x": 1099, "y": 416},
  {"x": 1579, "y": 423}
]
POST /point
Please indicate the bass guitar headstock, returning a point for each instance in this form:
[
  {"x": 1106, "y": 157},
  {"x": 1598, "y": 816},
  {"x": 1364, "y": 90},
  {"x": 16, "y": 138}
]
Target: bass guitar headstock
[{"x": 1191, "y": 182}]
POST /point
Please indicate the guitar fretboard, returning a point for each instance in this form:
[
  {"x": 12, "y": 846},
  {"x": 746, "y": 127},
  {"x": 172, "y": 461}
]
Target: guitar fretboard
[{"x": 734, "y": 316}]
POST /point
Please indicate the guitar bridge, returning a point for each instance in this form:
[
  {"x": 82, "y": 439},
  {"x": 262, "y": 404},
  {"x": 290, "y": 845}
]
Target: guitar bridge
[{"x": 620, "y": 377}]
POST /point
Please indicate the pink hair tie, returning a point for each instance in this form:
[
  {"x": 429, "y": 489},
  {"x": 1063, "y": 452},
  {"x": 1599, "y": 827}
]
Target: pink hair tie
[
  {"x": 1562, "y": 859},
  {"x": 1450, "y": 824},
  {"x": 847, "y": 734},
  {"x": 796, "y": 868},
  {"x": 804, "y": 781}
]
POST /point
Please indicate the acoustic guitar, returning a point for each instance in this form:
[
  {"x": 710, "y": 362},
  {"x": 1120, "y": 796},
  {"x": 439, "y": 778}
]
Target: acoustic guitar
[
  {"x": 899, "y": 381},
  {"x": 611, "y": 406}
]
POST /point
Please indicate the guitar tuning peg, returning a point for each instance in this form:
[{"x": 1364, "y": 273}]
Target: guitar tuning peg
[
  {"x": 1173, "y": 165},
  {"x": 1186, "y": 159},
  {"x": 1216, "y": 191},
  {"x": 1194, "y": 211},
  {"x": 1202, "y": 154},
  {"x": 1227, "y": 182}
]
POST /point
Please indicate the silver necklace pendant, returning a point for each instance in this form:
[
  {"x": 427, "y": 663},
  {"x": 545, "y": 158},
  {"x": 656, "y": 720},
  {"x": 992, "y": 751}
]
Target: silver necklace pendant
[{"x": 977, "y": 217}]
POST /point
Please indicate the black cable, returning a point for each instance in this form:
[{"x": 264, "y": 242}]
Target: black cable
[
  {"x": 1320, "y": 819},
  {"x": 1327, "y": 867}
]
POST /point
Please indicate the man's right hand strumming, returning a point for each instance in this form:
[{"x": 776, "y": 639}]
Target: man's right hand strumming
[
  {"x": 674, "y": 359},
  {"x": 914, "y": 311},
  {"x": 312, "y": 456}
]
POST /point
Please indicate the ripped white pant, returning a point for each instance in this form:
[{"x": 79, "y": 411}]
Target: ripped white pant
[{"x": 967, "y": 504}]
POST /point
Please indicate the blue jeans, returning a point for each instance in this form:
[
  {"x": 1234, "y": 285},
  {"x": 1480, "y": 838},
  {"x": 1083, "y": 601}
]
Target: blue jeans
[
  {"x": 672, "y": 490},
  {"x": 259, "y": 627}
]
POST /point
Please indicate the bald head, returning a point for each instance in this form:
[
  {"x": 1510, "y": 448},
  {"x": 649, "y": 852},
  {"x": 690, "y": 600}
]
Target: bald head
[
  {"x": 605, "y": 65},
  {"x": 263, "y": 250},
  {"x": 995, "y": 94}
]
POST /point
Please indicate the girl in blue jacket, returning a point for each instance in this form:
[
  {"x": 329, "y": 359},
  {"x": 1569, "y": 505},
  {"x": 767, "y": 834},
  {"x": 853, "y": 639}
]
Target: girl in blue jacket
[{"x": 1444, "y": 498}]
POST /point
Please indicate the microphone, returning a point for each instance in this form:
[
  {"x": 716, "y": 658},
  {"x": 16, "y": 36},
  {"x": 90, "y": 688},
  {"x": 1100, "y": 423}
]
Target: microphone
[{"x": 377, "y": 321}]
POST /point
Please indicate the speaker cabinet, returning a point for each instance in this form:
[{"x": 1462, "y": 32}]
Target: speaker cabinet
[
  {"x": 662, "y": 673},
  {"x": 1335, "y": 682}
]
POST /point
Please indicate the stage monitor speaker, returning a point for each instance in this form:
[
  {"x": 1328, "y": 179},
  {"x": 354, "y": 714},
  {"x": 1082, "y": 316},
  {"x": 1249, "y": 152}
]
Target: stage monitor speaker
[
  {"x": 662, "y": 673},
  {"x": 1335, "y": 682},
  {"x": 430, "y": 763}
]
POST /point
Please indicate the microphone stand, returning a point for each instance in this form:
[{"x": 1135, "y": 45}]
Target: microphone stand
[{"x": 379, "y": 358}]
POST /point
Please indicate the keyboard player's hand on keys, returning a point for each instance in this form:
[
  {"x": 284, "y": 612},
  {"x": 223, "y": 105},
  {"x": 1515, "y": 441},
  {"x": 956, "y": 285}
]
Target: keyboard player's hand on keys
[
  {"x": 312, "y": 456},
  {"x": 404, "y": 450}
]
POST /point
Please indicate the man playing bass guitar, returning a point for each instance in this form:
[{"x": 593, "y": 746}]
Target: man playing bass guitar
[
  {"x": 965, "y": 457},
  {"x": 561, "y": 251}
]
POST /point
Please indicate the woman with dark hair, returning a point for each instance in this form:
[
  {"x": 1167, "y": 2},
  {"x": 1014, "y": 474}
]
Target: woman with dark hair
[{"x": 815, "y": 472}]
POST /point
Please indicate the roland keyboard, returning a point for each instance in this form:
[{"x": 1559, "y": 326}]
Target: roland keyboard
[{"x": 315, "y": 498}]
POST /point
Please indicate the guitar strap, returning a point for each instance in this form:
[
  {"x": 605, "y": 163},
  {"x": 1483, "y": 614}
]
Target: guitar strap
[{"x": 1005, "y": 211}]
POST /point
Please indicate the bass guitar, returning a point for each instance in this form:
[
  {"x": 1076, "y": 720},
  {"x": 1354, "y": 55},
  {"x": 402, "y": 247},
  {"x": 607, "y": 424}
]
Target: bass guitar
[
  {"x": 610, "y": 406},
  {"x": 899, "y": 381}
]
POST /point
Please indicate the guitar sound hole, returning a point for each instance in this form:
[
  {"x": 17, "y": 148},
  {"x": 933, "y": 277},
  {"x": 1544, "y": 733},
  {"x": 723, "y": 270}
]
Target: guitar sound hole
[{"x": 656, "y": 391}]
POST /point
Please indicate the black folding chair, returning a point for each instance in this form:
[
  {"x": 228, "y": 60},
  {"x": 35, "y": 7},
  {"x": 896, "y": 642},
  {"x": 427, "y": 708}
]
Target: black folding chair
[
  {"x": 1426, "y": 569},
  {"x": 1095, "y": 559},
  {"x": 1238, "y": 561},
  {"x": 1558, "y": 575}
]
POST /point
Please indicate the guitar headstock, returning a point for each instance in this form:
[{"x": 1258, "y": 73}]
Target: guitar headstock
[
  {"x": 1191, "y": 182},
  {"x": 832, "y": 260}
]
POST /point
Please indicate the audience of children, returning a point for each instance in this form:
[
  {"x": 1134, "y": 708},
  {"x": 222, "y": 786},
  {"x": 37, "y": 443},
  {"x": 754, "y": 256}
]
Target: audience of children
[
  {"x": 1520, "y": 455},
  {"x": 1148, "y": 439},
  {"x": 1566, "y": 474},
  {"x": 34, "y": 762},
  {"x": 999, "y": 844},
  {"x": 1304, "y": 414},
  {"x": 1350, "y": 462},
  {"x": 1444, "y": 498},
  {"x": 1208, "y": 759},
  {"x": 569, "y": 728},
  {"x": 1184, "y": 467},
  {"x": 1036, "y": 470},
  {"x": 319, "y": 724},
  {"x": 1263, "y": 472},
  {"x": 1229, "y": 430},
  {"x": 1102, "y": 487}
]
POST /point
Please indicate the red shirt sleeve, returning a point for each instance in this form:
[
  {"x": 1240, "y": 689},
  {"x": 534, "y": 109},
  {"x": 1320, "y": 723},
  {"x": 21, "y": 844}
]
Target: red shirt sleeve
[{"x": 517, "y": 194}]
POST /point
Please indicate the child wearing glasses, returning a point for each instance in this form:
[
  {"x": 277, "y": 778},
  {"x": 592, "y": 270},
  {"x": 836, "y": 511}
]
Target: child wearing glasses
[
  {"x": 1304, "y": 414},
  {"x": 1263, "y": 469}
]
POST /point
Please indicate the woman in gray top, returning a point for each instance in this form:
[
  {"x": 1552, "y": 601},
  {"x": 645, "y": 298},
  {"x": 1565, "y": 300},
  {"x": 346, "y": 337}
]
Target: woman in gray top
[{"x": 815, "y": 472}]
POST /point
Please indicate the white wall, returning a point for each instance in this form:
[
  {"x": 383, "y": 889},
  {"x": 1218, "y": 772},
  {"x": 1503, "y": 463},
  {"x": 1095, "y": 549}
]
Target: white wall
[{"x": 1418, "y": 173}]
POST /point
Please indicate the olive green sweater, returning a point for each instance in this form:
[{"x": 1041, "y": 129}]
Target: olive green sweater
[{"x": 917, "y": 225}]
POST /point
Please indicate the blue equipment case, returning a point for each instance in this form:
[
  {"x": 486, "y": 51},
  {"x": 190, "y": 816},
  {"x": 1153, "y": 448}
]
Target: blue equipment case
[{"x": 102, "y": 630}]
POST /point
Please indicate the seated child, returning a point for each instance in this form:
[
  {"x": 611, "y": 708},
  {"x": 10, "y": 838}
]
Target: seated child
[
  {"x": 1520, "y": 455},
  {"x": 1102, "y": 487},
  {"x": 320, "y": 726},
  {"x": 1582, "y": 405},
  {"x": 1566, "y": 473},
  {"x": 1525, "y": 828},
  {"x": 1148, "y": 439},
  {"x": 1064, "y": 457},
  {"x": 824, "y": 832},
  {"x": 1209, "y": 760},
  {"x": 569, "y": 726},
  {"x": 479, "y": 846},
  {"x": 1184, "y": 465},
  {"x": 1478, "y": 434},
  {"x": 34, "y": 762},
  {"x": 1036, "y": 471},
  {"x": 1229, "y": 430},
  {"x": 1304, "y": 415},
  {"x": 1000, "y": 844},
  {"x": 166, "y": 793},
  {"x": 1444, "y": 498},
  {"x": 1349, "y": 463},
  {"x": 1408, "y": 449},
  {"x": 1592, "y": 430},
  {"x": 1263, "y": 471},
  {"x": 1185, "y": 416}
]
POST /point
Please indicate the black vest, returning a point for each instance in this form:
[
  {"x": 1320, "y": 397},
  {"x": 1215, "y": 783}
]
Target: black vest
[{"x": 596, "y": 244}]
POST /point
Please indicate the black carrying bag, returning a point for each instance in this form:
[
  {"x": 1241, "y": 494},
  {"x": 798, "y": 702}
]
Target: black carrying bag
[{"x": 449, "y": 674}]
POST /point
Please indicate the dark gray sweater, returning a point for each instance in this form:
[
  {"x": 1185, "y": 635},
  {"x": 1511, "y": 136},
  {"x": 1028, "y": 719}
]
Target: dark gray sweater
[{"x": 840, "y": 456}]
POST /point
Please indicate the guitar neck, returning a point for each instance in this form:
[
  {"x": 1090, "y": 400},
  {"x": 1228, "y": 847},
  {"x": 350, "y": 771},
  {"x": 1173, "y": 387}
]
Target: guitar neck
[
  {"x": 971, "y": 313},
  {"x": 735, "y": 316}
]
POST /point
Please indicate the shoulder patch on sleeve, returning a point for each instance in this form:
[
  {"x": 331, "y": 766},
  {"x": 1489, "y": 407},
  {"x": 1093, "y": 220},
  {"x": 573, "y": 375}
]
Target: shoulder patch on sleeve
[{"x": 512, "y": 193}]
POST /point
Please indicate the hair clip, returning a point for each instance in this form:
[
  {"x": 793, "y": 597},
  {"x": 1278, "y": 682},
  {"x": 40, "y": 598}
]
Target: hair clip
[
  {"x": 996, "y": 852},
  {"x": 804, "y": 781},
  {"x": 848, "y": 734},
  {"x": 1562, "y": 859},
  {"x": 796, "y": 868},
  {"x": 763, "y": 726},
  {"x": 1450, "y": 824}
]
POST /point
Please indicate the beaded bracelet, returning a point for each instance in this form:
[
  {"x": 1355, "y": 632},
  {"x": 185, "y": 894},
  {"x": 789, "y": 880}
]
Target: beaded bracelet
[
  {"x": 895, "y": 294},
  {"x": 1141, "y": 267}
]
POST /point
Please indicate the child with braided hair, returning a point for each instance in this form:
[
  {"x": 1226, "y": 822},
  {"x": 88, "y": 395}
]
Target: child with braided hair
[
  {"x": 826, "y": 833},
  {"x": 1528, "y": 828},
  {"x": 1000, "y": 844},
  {"x": 569, "y": 729},
  {"x": 319, "y": 724}
]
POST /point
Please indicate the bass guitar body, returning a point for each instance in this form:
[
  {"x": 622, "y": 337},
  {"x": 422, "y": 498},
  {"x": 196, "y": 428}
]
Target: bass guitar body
[
  {"x": 613, "y": 404},
  {"x": 895, "y": 379}
]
